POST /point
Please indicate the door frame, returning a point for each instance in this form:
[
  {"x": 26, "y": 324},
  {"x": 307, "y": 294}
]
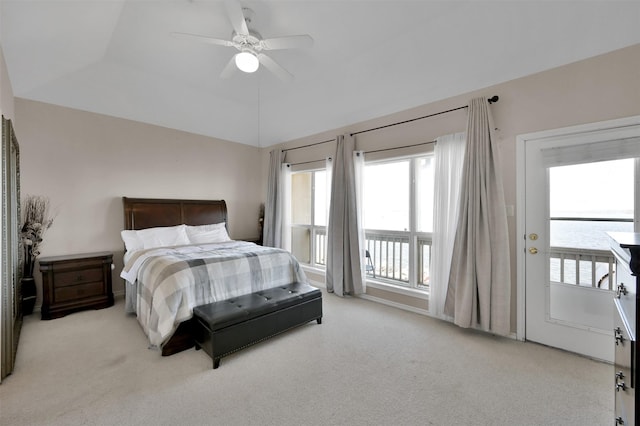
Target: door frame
[{"x": 521, "y": 141}]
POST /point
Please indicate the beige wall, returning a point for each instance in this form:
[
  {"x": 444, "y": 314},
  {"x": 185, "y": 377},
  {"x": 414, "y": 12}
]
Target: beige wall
[
  {"x": 86, "y": 162},
  {"x": 6, "y": 91},
  {"x": 600, "y": 88}
]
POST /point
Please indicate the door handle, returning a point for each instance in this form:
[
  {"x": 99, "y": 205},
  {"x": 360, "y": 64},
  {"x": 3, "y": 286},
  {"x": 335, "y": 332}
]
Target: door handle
[{"x": 533, "y": 250}]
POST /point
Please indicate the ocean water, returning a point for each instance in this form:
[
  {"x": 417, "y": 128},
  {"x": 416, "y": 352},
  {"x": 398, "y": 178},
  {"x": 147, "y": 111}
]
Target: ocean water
[{"x": 585, "y": 235}]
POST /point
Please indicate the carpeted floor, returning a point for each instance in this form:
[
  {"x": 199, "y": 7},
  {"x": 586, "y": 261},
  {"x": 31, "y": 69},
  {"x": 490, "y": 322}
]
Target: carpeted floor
[{"x": 366, "y": 364}]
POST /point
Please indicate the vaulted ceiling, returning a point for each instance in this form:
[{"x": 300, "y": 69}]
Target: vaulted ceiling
[{"x": 369, "y": 58}]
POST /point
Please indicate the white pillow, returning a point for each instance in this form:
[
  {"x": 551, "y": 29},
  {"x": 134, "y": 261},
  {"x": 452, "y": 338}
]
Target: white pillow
[
  {"x": 213, "y": 233},
  {"x": 164, "y": 236},
  {"x": 203, "y": 228},
  {"x": 131, "y": 240}
]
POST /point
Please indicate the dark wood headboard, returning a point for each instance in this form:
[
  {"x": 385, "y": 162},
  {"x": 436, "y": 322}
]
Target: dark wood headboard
[{"x": 141, "y": 213}]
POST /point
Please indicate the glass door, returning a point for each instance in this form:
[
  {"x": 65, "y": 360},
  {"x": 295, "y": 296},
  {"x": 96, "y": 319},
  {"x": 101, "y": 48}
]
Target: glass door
[{"x": 577, "y": 188}]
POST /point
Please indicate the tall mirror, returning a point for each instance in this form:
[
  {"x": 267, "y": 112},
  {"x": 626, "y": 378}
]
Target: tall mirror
[{"x": 10, "y": 292}]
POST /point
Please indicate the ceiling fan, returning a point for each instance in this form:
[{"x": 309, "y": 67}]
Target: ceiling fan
[{"x": 250, "y": 44}]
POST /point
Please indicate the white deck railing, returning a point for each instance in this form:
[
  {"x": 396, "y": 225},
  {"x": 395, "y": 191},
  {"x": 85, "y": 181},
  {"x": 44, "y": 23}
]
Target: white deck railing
[
  {"x": 389, "y": 252},
  {"x": 389, "y": 255},
  {"x": 584, "y": 267}
]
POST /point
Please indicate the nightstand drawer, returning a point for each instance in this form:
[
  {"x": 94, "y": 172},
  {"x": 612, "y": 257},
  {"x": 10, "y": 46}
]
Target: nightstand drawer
[
  {"x": 73, "y": 278},
  {"x": 76, "y": 292}
]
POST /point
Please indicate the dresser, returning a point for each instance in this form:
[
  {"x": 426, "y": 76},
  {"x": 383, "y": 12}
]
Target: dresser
[
  {"x": 626, "y": 249},
  {"x": 76, "y": 282}
]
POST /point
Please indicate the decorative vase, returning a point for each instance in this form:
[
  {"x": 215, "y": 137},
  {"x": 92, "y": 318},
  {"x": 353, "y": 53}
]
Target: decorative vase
[{"x": 28, "y": 295}]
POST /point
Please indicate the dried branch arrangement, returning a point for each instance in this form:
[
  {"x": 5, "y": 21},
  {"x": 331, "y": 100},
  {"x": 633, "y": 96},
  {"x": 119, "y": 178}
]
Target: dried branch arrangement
[{"x": 37, "y": 220}]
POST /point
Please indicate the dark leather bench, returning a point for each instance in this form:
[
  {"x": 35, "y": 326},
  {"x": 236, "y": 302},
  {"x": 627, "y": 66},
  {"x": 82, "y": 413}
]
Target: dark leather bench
[{"x": 226, "y": 326}]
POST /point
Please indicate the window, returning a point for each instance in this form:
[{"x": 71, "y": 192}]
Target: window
[
  {"x": 386, "y": 196},
  {"x": 398, "y": 219},
  {"x": 309, "y": 195},
  {"x": 585, "y": 202}
]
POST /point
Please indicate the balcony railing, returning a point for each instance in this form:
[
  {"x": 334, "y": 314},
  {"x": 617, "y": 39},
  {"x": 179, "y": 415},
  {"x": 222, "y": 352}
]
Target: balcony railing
[
  {"x": 389, "y": 256},
  {"x": 389, "y": 253},
  {"x": 424, "y": 262},
  {"x": 584, "y": 267},
  {"x": 320, "y": 246}
]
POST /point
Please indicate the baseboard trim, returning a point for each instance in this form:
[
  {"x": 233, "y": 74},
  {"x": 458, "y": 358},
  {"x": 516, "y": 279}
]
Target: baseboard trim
[
  {"x": 408, "y": 308},
  {"x": 424, "y": 312},
  {"x": 394, "y": 304}
]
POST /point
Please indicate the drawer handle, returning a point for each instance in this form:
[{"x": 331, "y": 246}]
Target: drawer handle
[
  {"x": 621, "y": 290},
  {"x": 619, "y": 421},
  {"x": 620, "y": 385},
  {"x": 618, "y": 335}
]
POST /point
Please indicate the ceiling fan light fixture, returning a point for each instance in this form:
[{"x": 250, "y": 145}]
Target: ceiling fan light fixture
[{"x": 247, "y": 62}]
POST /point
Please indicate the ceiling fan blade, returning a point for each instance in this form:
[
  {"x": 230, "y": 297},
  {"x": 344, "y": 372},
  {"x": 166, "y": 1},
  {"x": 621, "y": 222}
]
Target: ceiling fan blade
[
  {"x": 288, "y": 42},
  {"x": 272, "y": 66},
  {"x": 204, "y": 39},
  {"x": 230, "y": 68},
  {"x": 234, "y": 10}
]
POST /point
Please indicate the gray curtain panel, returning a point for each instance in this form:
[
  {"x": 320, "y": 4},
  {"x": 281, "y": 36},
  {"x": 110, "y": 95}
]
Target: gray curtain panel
[
  {"x": 272, "y": 233},
  {"x": 479, "y": 291},
  {"x": 344, "y": 260}
]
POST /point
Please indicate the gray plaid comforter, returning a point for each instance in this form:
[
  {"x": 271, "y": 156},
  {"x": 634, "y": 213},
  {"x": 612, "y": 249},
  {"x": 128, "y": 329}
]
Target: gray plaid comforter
[{"x": 167, "y": 283}]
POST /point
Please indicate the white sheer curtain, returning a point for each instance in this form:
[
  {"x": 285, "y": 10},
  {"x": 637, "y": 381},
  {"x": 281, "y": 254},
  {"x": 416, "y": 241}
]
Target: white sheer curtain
[
  {"x": 272, "y": 233},
  {"x": 345, "y": 253},
  {"x": 358, "y": 167},
  {"x": 449, "y": 158},
  {"x": 327, "y": 182},
  {"x": 479, "y": 291},
  {"x": 285, "y": 206}
]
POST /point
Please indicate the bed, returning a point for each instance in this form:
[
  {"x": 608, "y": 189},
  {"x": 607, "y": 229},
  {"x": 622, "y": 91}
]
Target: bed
[{"x": 206, "y": 272}]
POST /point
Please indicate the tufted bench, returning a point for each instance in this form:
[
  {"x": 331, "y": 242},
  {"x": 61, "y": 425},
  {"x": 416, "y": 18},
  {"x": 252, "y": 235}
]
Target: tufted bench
[{"x": 226, "y": 326}]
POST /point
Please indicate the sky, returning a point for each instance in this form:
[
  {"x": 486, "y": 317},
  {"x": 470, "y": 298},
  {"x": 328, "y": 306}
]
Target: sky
[{"x": 602, "y": 189}]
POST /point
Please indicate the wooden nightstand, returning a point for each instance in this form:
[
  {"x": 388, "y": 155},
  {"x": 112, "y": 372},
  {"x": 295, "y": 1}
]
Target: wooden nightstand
[{"x": 76, "y": 282}]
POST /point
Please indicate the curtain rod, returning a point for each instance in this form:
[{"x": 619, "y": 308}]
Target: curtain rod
[
  {"x": 311, "y": 144},
  {"x": 399, "y": 147},
  {"x": 491, "y": 100},
  {"x": 374, "y": 150},
  {"x": 307, "y": 162}
]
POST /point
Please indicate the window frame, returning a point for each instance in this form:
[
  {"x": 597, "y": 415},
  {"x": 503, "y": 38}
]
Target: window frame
[
  {"x": 414, "y": 236},
  {"x": 417, "y": 240},
  {"x": 313, "y": 229}
]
